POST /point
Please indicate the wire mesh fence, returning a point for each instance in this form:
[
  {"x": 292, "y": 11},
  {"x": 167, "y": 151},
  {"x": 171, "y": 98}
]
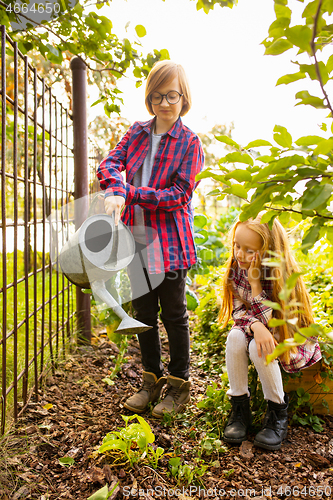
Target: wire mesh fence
[{"x": 37, "y": 178}]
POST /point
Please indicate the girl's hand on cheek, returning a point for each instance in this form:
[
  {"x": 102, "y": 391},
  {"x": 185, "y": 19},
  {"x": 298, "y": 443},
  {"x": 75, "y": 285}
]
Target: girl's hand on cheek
[{"x": 254, "y": 272}]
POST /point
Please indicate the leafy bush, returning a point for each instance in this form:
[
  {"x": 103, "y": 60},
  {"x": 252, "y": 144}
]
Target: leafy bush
[
  {"x": 210, "y": 342},
  {"x": 134, "y": 441}
]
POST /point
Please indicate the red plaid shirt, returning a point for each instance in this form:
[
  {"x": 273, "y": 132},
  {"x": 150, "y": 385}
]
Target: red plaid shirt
[
  {"x": 307, "y": 354},
  {"x": 167, "y": 198}
]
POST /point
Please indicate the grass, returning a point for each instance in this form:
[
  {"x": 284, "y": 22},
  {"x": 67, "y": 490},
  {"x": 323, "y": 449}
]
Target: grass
[{"x": 49, "y": 307}]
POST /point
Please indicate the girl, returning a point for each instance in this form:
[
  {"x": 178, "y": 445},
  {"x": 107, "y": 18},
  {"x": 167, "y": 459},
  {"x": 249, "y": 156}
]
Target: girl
[
  {"x": 247, "y": 284},
  {"x": 161, "y": 158}
]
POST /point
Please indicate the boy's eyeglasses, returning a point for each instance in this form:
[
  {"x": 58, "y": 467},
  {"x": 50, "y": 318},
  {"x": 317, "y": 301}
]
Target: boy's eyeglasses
[{"x": 173, "y": 97}]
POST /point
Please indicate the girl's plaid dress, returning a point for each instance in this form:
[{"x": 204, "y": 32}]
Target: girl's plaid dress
[{"x": 307, "y": 354}]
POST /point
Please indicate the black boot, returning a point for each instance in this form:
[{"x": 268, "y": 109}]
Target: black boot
[
  {"x": 275, "y": 426},
  {"x": 239, "y": 421}
]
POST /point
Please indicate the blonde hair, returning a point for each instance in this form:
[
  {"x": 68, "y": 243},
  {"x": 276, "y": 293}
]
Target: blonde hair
[
  {"x": 274, "y": 240},
  {"x": 162, "y": 73}
]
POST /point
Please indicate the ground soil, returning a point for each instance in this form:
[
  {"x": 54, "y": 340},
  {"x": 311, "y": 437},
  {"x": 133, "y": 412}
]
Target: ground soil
[{"x": 84, "y": 409}]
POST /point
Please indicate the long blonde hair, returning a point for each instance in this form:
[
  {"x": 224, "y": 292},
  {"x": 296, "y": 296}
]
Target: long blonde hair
[{"x": 274, "y": 240}]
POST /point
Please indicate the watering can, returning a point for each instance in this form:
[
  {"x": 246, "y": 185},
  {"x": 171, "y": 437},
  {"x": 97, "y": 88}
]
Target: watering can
[{"x": 96, "y": 252}]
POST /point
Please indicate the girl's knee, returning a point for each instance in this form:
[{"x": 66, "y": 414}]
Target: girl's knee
[
  {"x": 253, "y": 351},
  {"x": 236, "y": 339}
]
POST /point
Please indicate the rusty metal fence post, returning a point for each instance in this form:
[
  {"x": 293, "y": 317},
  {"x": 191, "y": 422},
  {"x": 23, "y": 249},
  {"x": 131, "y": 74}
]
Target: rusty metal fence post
[{"x": 81, "y": 178}]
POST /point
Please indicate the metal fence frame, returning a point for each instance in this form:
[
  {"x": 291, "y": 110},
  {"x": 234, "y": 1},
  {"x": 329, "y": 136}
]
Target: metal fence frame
[{"x": 49, "y": 181}]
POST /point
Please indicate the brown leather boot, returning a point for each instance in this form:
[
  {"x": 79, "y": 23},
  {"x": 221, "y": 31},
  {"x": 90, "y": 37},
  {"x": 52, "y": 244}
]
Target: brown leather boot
[
  {"x": 149, "y": 392},
  {"x": 177, "y": 395}
]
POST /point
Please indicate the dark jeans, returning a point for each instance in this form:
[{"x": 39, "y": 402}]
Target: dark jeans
[{"x": 170, "y": 295}]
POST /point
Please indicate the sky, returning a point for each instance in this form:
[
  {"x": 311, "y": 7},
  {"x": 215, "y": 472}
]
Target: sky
[{"x": 230, "y": 78}]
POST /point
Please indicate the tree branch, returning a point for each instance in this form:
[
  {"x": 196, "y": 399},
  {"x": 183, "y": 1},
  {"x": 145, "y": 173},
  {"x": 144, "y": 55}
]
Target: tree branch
[
  {"x": 313, "y": 48},
  {"x": 302, "y": 179},
  {"x": 47, "y": 28},
  {"x": 122, "y": 73},
  {"x": 284, "y": 209}
]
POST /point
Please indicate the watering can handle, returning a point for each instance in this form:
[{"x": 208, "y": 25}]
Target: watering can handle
[
  {"x": 97, "y": 196},
  {"x": 115, "y": 242}
]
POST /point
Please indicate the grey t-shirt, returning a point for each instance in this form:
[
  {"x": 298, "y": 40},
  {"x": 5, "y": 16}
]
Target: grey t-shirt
[{"x": 141, "y": 178}]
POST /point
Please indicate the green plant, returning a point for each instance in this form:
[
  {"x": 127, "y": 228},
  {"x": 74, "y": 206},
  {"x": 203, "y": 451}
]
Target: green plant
[
  {"x": 154, "y": 456},
  {"x": 66, "y": 461},
  {"x": 210, "y": 240},
  {"x": 133, "y": 441},
  {"x": 211, "y": 444},
  {"x": 210, "y": 337},
  {"x": 187, "y": 473},
  {"x": 286, "y": 309},
  {"x": 216, "y": 405},
  {"x": 191, "y": 297},
  {"x": 103, "y": 493},
  {"x": 200, "y": 237},
  {"x": 290, "y": 179},
  {"x": 120, "y": 358},
  {"x": 302, "y": 410}
]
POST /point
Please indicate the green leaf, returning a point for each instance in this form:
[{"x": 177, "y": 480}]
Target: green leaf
[
  {"x": 237, "y": 190},
  {"x": 282, "y": 10},
  {"x": 282, "y": 136},
  {"x": 239, "y": 158},
  {"x": 310, "y": 9},
  {"x": 278, "y": 47},
  {"x": 309, "y": 140},
  {"x": 164, "y": 54},
  {"x": 277, "y": 27},
  {"x": 116, "y": 444},
  {"x": 137, "y": 72},
  {"x": 140, "y": 30},
  {"x": 276, "y": 322},
  {"x": 200, "y": 237},
  {"x": 329, "y": 64},
  {"x": 311, "y": 331},
  {"x": 53, "y": 50},
  {"x": 310, "y": 69},
  {"x": 101, "y": 494},
  {"x": 239, "y": 175},
  {"x": 298, "y": 337},
  {"x": 206, "y": 254},
  {"x": 292, "y": 280},
  {"x": 66, "y": 461},
  {"x": 227, "y": 140},
  {"x": 273, "y": 305},
  {"x": 324, "y": 147},
  {"x": 310, "y": 100},
  {"x": 316, "y": 196},
  {"x": 199, "y": 220},
  {"x": 310, "y": 238},
  {"x": 147, "y": 429},
  {"x": 300, "y": 36},
  {"x": 269, "y": 217},
  {"x": 292, "y": 77},
  {"x": 281, "y": 348},
  {"x": 257, "y": 143},
  {"x": 192, "y": 300},
  {"x": 266, "y": 159},
  {"x": 284, "y": 218},
  {"x": 159, "y": 451}
]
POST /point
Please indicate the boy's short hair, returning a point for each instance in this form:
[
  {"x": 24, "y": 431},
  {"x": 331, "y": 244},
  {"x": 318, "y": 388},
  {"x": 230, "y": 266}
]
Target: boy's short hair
[{"x": 163, "y": 72}]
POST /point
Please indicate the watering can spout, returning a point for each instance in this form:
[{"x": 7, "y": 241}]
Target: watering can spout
[{"x": 128, "y": 325}]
